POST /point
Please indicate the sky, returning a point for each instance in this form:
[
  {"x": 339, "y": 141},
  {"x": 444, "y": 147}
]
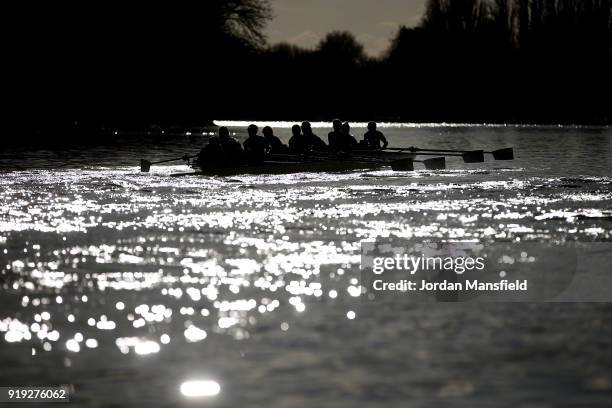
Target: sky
[{"x": 374, "y": 22}]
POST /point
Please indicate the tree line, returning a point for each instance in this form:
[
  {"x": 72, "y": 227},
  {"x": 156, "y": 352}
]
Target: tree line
[
  {"x": 519, "y": 61},
  {"x": 130, "y": 66}
]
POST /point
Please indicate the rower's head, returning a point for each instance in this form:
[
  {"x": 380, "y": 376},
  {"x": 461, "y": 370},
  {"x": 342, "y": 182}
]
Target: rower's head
[
  {"x": 223, "y": 133},
  {"x": 252, "y": 130},
  {"x": 267, "y": 131},
  {"x": 346, "y": 128},
  {"x": 296, "y": 130},
  {"x": 372, "y": 126},
  {"x": 336, "y": 124},
  {"x": 306, "y": 128}
]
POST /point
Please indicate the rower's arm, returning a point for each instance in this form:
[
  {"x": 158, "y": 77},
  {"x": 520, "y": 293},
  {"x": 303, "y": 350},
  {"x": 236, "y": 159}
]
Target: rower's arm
[
  {"x": 246, "y": 146},
  {"x": 384, "y": 140}
]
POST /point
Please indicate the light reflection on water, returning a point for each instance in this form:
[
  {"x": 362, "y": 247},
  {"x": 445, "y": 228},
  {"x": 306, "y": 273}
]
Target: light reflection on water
[
  {"x": 200, "y": 388},
  {"x": 108, "y": 260},
  {"x": 233, "y": 249}
]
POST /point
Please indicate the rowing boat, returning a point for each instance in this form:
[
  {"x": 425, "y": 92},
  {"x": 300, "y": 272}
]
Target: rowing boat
[
  {"x": 287, "y": 167},
  {"x": 398, "y": 159}
]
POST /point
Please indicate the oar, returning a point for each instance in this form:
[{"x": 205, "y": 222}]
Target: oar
[
  {"x": 468, "y": 156},
  {"x": 500, "y": 154},
  {"x": 503, "y": 154},
  {"x": 145, "y": 165},
  {"x": 474, "y": 156},
  {"x": 437, "y": 163},
  {"x": 402, "y": 165}
]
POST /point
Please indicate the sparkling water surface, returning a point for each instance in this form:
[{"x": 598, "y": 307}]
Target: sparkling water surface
[{"x": 139, "y": 288}]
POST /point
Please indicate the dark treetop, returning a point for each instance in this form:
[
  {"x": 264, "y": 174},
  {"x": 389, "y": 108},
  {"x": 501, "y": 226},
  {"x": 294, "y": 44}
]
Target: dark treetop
[{"x": 71, "y": 68}]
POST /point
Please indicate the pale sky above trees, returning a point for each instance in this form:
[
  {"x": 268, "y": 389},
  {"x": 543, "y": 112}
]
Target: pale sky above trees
[{"x": 374, "y": 22}]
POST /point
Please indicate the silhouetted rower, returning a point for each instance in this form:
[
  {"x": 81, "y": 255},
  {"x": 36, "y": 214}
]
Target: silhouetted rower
[
  {"x": 232, "y": 150},
  {"x": 211, "y": 155},
  {"x": 274, "y": 144},
  {"x": 297, "y": 143},
  {"x": 347, "y": 140},
  {"x": 255, "y": 146},
  {"x": 313, "y": 142},
  {"x": 373, "y": 138},
  {"x": 335, "y": 136}
]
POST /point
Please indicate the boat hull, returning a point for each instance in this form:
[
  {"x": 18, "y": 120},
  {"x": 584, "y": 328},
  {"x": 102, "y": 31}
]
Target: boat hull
[
  {"x": 286, "y": 168},
  {"x": 358, "y": 160},
  {"x": 385, "y": 154}
]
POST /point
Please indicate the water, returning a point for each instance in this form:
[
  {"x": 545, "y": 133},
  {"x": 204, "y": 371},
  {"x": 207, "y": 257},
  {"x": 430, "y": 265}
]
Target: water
[{"x": 133, "y": 287}]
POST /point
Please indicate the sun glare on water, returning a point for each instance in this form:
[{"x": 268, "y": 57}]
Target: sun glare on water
[
  {"x": 200, "y": 388},
  {"x": 289, "y": 124}
]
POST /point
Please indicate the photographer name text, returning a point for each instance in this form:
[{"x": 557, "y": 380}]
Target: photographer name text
[{"x": 406, "y": 285}]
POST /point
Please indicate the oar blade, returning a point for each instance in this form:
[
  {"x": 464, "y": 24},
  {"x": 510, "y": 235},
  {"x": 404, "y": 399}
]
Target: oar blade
[
  {"x": 402, "y": 165},
  {"x": 503, "y": 154},
  {"x": 145, "y": 165},
  {"x": 437, "y": 163},
  {"x": 474, "y": 156}
]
